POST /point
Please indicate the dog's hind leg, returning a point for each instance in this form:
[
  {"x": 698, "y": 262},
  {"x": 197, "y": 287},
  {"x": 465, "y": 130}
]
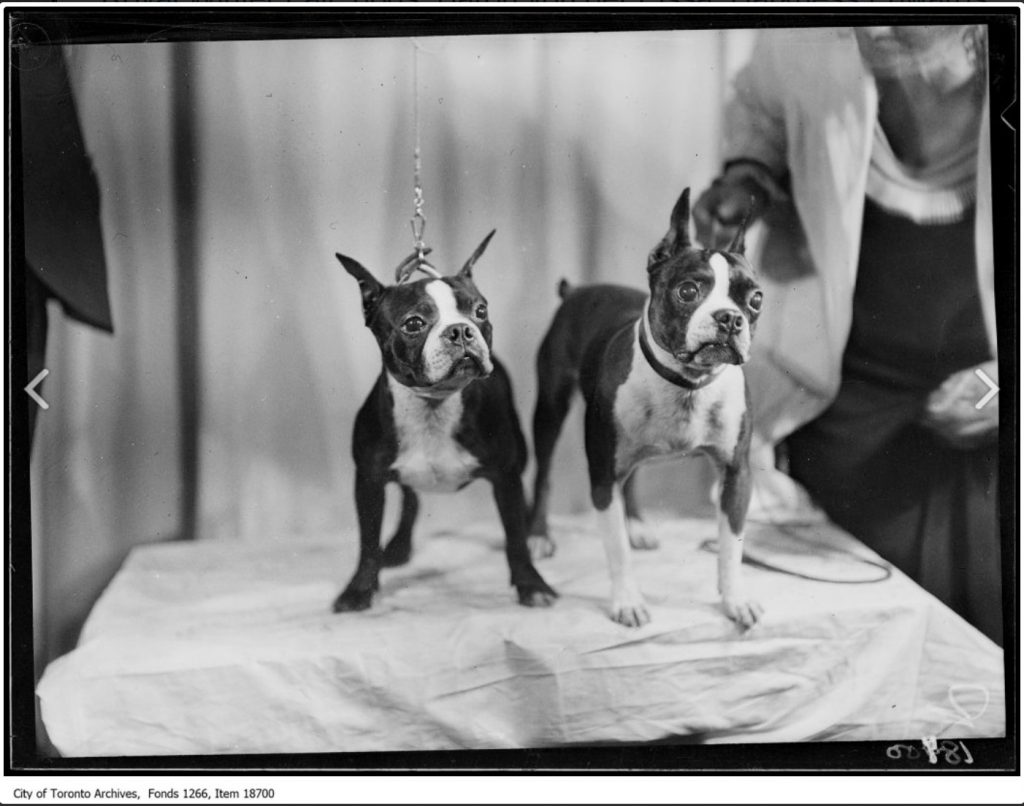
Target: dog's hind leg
[
  {"x": 399, "y": 547},
  {"x": 641, "y": 535},
  {"x": 554, "y": 396}
]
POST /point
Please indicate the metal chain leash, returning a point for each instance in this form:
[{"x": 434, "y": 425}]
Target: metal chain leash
[{"x": 418, "y": 260}]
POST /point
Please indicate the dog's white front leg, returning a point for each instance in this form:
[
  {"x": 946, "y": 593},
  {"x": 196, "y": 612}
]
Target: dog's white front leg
[
  {"x": 730, "y": 558},
  {"x": 628, "y": 605}
]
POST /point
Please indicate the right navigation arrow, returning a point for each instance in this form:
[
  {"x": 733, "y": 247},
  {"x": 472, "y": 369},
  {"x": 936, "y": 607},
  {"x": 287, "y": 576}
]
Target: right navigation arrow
[{"x": 993, "y": 390}]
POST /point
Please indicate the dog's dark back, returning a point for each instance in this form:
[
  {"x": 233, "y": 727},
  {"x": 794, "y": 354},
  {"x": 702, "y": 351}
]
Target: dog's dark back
[{"x": 588, "y": 316}]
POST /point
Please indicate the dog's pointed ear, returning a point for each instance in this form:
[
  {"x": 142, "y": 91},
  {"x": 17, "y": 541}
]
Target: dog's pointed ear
[
  {"x": 369, "y": 286},
  {"x": 738, "y": 240},
  {"x": 678, "y": 236},
  {"x": 467, "y": 270}
]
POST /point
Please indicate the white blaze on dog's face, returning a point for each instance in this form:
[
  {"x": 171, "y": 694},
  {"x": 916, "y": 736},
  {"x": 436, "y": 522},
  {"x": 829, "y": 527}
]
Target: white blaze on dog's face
[
  {"x": 718, "y": 319},
  {"x": 456, "y": 344},
  {"x": 703, "y": 308},
  {"x": 434, "y": 334},
  {"x": 704, "y": 303}
]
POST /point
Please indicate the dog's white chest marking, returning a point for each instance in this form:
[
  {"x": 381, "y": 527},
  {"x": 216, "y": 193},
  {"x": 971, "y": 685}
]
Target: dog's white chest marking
[
  {"x": 429, "y": 459},
  {"x": 657, "y": 419}
]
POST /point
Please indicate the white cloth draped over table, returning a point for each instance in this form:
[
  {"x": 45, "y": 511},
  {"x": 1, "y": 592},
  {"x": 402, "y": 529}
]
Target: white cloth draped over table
[
  {"x": 573, "y": 146},
  {"x": 209, "y": 647}
]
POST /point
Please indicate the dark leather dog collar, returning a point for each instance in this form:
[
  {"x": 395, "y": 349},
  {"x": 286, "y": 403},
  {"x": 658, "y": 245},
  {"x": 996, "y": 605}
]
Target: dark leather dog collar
[{"x": 670, "y": 375}]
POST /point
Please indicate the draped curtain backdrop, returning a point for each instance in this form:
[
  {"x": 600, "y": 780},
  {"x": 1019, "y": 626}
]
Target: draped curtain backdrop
[{"x": 574, "y": 147}]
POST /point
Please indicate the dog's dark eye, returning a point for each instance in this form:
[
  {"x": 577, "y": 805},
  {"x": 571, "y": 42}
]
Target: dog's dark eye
[
  {"x": 413, "y": 325},
  {"x": 481, "y": 312},
  {"x": 688, "y": 292},
  {"x": 755, "y": 301}
]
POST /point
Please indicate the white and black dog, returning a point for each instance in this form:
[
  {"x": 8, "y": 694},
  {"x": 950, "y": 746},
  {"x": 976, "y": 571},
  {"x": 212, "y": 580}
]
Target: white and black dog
[
  {"x": 661, "y": 376},
  {"x": 440, "y": 415}
]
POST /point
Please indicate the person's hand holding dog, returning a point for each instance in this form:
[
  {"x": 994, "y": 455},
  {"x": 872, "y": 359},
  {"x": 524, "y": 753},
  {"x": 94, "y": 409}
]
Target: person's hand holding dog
[
  {"x": 747, "y": 188},
  {"x": 721, "y": 208}
]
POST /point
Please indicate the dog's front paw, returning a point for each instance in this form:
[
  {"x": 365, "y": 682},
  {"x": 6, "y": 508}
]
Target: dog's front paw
[
  {"x": 541, "y": 547},
  {"x": 630, "y": 610},
  {"x": 641, "y": 535},
  {"x": 744, "y": 612},
  {"x": 353, "y": 599},
  {"x": 536, "y": 594}
]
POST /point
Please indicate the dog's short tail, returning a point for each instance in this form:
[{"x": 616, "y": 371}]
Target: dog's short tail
[{"x": 563, "y": 288}]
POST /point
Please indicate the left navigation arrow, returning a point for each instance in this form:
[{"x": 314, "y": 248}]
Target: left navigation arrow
[{"x": 31, "y": 389}]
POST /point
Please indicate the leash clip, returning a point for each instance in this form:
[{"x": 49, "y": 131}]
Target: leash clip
[
  {"x": 419, "y": 225},
  {"x": 415, "y": 262}
]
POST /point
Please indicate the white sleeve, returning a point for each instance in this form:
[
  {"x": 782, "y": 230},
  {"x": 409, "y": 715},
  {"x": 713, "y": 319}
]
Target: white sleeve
[{"x": 754, "y": 115}]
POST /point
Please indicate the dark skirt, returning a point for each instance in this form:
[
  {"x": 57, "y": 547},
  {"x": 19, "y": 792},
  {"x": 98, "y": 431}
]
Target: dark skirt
[{"x": 928, "y": 508}]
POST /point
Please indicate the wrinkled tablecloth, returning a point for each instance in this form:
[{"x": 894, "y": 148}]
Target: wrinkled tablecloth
[{"x": 222, "y": 647}]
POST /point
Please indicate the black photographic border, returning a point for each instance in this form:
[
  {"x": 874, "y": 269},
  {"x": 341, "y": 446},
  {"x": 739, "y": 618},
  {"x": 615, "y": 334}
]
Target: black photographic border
[{"x": 34, "y": 25}]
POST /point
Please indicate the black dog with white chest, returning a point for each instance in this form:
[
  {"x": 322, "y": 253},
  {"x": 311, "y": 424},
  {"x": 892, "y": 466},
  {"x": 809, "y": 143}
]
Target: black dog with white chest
[
  {"x": 661, "y": 376},
  {"x": 440, "y": 415}
]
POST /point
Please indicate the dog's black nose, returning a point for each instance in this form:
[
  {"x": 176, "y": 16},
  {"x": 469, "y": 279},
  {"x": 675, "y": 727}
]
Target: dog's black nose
[
  {"x": 728, "y": 320},
  {"x": 458, "y": 334}
]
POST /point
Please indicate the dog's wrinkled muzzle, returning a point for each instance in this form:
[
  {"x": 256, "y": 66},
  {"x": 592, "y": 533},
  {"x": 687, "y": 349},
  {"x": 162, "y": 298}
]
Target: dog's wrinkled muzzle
[
  {"x": 471, "y": 365},
  {"x": 458, "y": 364},
  {"x": 716, "y": 353}
]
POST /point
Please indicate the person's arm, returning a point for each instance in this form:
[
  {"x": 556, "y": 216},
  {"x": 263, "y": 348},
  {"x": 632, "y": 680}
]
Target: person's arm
[{"x": 755, "y": 171}]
